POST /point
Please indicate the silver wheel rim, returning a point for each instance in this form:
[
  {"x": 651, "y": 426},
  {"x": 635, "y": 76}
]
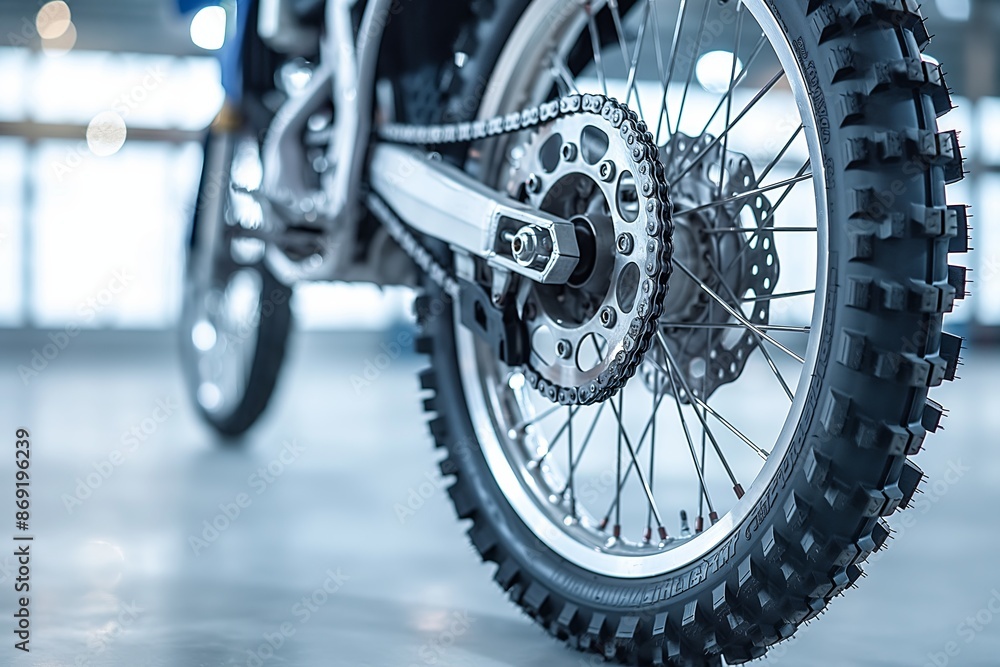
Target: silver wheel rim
[{"x": 499, "y": 403}]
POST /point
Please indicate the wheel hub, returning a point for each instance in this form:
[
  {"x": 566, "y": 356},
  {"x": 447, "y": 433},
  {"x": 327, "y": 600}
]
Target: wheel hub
[{"x": 584, "y": 332}]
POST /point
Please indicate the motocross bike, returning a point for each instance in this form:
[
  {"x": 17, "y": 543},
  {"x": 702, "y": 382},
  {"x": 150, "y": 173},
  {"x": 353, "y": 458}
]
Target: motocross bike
[{"x": 681, "y": 270}]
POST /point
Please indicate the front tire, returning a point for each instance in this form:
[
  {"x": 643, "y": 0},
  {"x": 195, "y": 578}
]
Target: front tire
[{"x": 816, "y": 510}]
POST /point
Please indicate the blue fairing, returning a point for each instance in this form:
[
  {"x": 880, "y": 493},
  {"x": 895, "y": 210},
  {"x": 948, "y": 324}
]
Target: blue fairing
[{"x": 229, "y": 54}]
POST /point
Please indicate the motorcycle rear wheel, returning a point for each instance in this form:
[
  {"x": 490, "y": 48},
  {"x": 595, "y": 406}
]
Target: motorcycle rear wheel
[{"x": 839, "y": 460}]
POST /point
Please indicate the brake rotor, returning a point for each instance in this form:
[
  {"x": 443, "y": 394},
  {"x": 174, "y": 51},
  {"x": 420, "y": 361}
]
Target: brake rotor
[{"x": 730, "y": 248}]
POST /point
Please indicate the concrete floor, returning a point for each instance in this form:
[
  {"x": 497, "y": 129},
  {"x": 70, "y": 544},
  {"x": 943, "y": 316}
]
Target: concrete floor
[{"x": 116, "y": 580}]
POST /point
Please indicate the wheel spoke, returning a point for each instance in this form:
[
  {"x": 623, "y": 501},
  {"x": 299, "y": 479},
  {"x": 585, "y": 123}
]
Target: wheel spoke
[
  {"x": 690, "y": 76},
  {"x": 774, "y": 369},
  {"x": 583, "y": 447},
  {"x": 562, "y": 74},
  {"x": 729, "y": 102},
  {"x": 633, "y": 66},
  {"x": 674, "y": 44},
  {"x": 715, "y": 142},
  {"x": 661, "y": 69},
  {"x": 733, "y": 325},
  {"x": 744, "y": 195},
  {"x": 569, "y": 459},
  {"x": 757, "y": 340},
  {"x": 718, "y": 107},
  {"x": 755, "y": 230},
  {"x": 781, "y": 154},
  {"x": 638, "y": 469},
  {"x": 672, "y": 368},
  {"x": 652, "y": 454},
  {"x": 558, "y": 435},
  {"x": 699, "y": 466},
  {"x": 616, "y": 18},
  {"x": 618, "y": 477},
  {"x": 774, "y": 208},
  {"x": 763, "y": 453},
  {"x": 595, "y": 44},
  {"x": 628, "y": 471},
  {"x": 774, "y": 297},
  {"x": 734, "y": 312},
  {"x": 521, "y": 425}
]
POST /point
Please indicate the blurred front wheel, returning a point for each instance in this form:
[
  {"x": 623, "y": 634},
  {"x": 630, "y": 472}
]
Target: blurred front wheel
[{"x": 236, "y": 315}]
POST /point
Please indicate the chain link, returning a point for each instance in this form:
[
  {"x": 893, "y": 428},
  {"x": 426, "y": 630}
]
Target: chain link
[{"x": 652, "y": 188}]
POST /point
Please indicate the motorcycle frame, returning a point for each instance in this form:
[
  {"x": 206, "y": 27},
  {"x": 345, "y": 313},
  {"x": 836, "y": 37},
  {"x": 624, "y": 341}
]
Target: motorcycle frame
[
  {"x": 435, "y": 198},
  {"x": 346, "y": 74}
]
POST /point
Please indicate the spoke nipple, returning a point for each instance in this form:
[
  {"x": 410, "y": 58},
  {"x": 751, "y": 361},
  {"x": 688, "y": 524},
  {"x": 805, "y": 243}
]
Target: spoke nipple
[
  {"x": 713, "y": 517},
  {"x": 699, "y": 524},
  {"x": 604, "y": 524},
  {"x": 647, "y": 535},
  {"x": 617, "y": 531},
  {"x": 663, "y": 533},
  {"x": 569, "y": 152},
  {"x": 607, "y": 171},
  {"x": 739, "y": 491}
]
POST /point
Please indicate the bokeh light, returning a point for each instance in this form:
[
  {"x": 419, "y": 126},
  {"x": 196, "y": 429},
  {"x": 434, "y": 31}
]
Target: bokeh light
[
  {"x": 208, "y": 28},
  {"x": 62, "y": 44},
  {"x": 53, "y": 20},
  {"x": 106, "y": 134}
]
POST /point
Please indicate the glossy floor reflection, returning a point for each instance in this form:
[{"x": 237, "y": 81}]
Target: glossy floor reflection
[{"x": 319, "y": 565}]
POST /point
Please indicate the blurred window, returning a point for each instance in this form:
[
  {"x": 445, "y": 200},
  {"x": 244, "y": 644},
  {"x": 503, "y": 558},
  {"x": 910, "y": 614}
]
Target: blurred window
[
  {"x": 71, "y": 219},
  {"x": 988, "y": 130},
  {"x": 12, "y": 165}
]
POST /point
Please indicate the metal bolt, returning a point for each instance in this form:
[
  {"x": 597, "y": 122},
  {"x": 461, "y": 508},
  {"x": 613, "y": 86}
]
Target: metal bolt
[
  {"x": 528, "y": 248},
  {"x": 498, "y": 299},
  {"x": 534, "y": 184},
  {"x": 625, "y": 243},
  {"x": 607, "y": 171},
  {"x": 569, "y": 152},
  {"x": 608, "y": 317},
  {"x": 564, "y": 349}
]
